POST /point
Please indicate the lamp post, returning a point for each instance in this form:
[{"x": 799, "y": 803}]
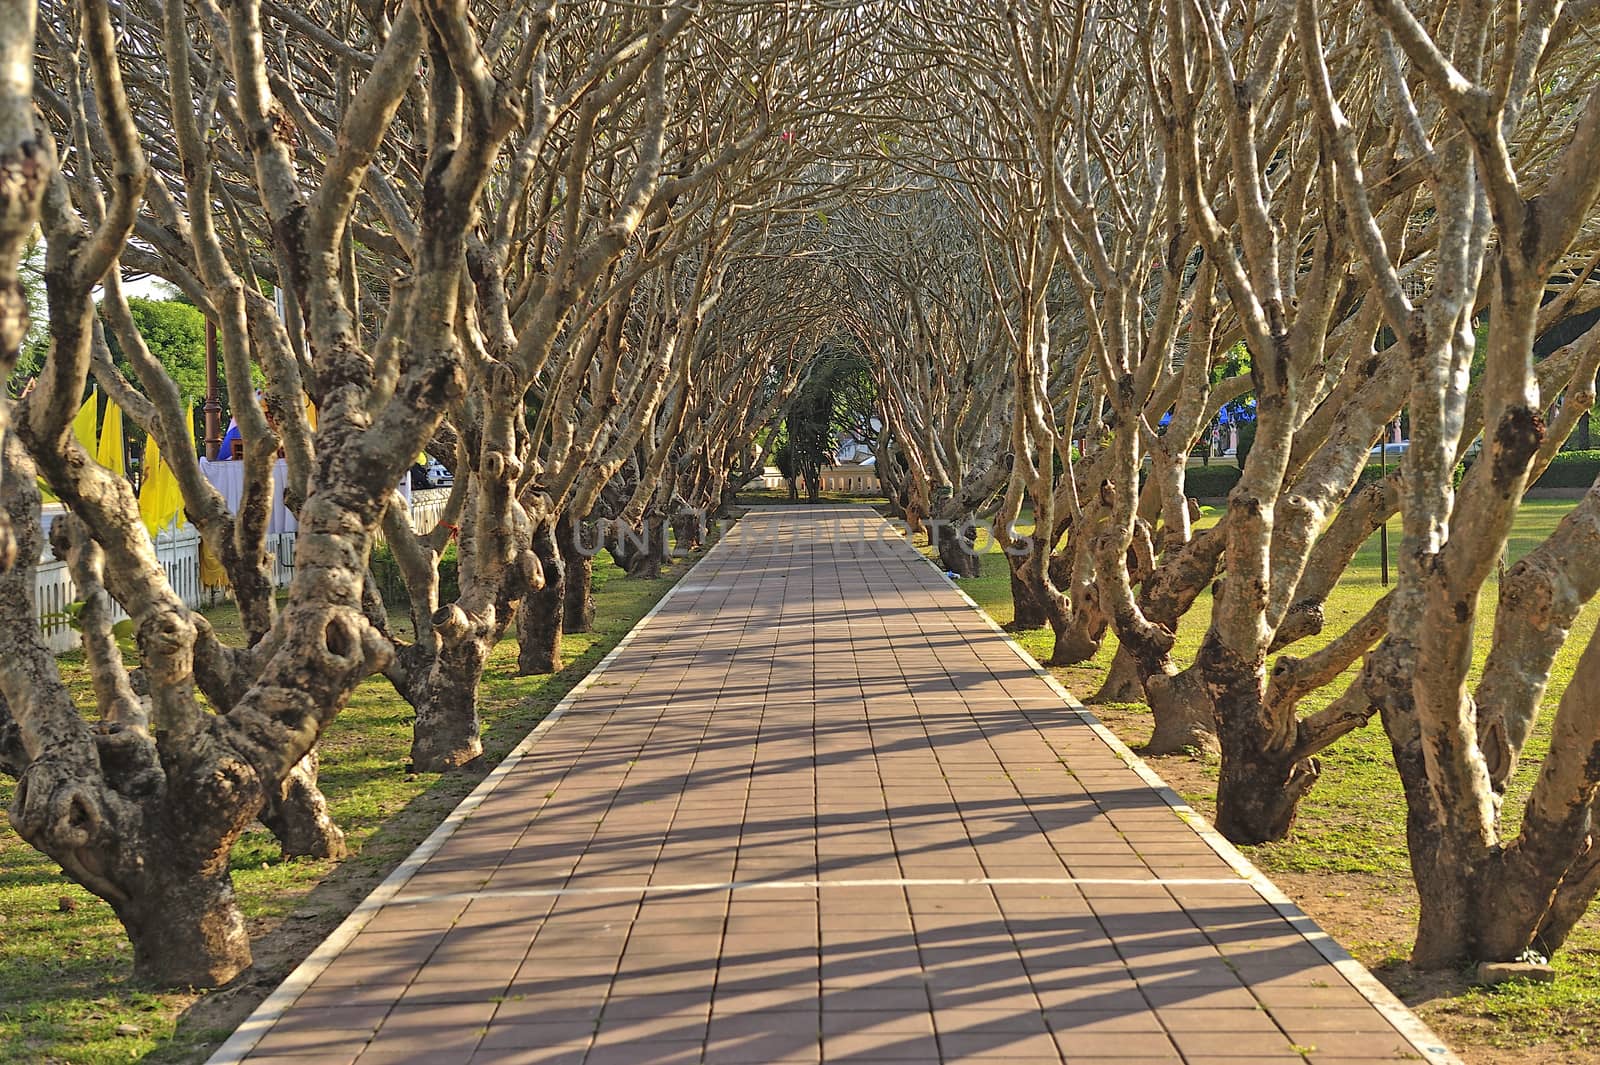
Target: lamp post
[
  {"x": 1383, "y": 530},
  {"x": 213, "y": 404}
]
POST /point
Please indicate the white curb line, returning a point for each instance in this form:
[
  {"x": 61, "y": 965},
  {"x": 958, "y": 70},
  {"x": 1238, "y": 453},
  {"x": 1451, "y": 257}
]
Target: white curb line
[
  {"x": 1409, "y": 1025},
  {"x": 248, "y": 1034}
]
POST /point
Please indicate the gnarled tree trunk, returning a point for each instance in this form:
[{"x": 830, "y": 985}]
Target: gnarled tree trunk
[
  {"x": 541, "y": 615},
  {"x": 578, "y": 604},
  {"x": 955, "y": 540},
  {"x": 1027, "y": 612},
  {"x": 1122, "y": 684},
  {"x": 448, "y": 732},
  {"x": 298, "y": 815}
]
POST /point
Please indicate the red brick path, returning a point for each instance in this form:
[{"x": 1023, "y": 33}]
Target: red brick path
[{"x": 819, "y": 810}]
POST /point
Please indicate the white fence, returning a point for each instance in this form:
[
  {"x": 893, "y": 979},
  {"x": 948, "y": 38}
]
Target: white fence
[
  {"x": 53, "y": 592},
  {"x": 179, "y": 553},
  {"x": 427, "y": 507},
  {"x": 846, "y": 480}
]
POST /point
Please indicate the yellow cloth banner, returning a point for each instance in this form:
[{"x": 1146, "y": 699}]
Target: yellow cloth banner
[
  {"x": 160, "y": 500},
  {"x": 84, "y": 424},
  {"x": 109, "y": 453},
  {"x": 212, "y": 575}
]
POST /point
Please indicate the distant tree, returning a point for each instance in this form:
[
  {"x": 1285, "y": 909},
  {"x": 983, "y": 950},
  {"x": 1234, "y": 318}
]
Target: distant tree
[
  {"x": 174, "y": 331},
  {"x": 35, "y": 343},
  {"x": 837, "y": 395},
  {"x": 789, "y": 469}
]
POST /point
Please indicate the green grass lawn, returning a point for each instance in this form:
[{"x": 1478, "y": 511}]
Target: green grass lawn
[
  {"x": 65, "y": 994},
  {"x": 1346, "y": 862}
]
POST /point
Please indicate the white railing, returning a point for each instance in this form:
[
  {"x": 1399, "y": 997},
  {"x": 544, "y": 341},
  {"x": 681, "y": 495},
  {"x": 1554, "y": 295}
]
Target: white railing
[
  {"x": 847, "y": 480},
  {"x": 280, "y": 552},
  {"x": 427, "y": 507},
  {"x": 179, "y": 554}
]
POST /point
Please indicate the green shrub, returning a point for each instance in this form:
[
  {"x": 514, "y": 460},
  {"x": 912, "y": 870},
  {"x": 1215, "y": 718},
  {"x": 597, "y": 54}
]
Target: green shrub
[
  {"x": 1571, "y": 469},
  {"x": 1374, "y": 472},
  {"x": 1211, "y": 482},
  {"x": 392, "y": 586}
]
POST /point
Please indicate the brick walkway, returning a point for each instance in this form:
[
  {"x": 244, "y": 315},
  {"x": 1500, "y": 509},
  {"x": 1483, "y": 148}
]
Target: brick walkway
[{"x": 818, "y": 809}]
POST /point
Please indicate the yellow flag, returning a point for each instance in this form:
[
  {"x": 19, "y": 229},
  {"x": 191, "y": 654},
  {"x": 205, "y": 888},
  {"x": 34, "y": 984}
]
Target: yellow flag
[
  {"x": 109, "y": 453},
  {"x": 212, "y": 573},
  {"x": 311, "y": 414},
  {"x": 83, "y": 425},
  {"x": 160, "y": 500}
]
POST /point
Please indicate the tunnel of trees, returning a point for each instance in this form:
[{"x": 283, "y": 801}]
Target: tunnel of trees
[{"x": 606, "y": 262}]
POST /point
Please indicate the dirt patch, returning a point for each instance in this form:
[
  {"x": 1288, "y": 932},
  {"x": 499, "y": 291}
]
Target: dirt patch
[{"x": 1371, "y": 917}]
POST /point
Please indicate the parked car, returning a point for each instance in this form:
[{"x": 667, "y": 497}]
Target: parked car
[
  {"x": 1392, "y": 450},
  {"x": 438, "y": 476},
  {"x": 429, "y": 472}
]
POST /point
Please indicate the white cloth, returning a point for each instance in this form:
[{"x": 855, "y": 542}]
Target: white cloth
[{"x": 228, "y": 477}]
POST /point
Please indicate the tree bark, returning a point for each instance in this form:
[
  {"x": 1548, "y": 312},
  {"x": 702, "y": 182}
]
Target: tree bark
[
  {"x": 541, "y": 614},
  {"x": 299, "y": 817},
  {"x": 540, "y": 623},
  {"x": 645, "y": 562},
  {"x": 447, "y": 733},
  {"x": 1026, "y": 610},
  {"x": 578, "y": 606},
  {"x": 689, "y": 525},
  {"x": 1122, "y": 683},
  {"x": 1078, "y": 636},
  {"x": 185, "y": 926},
  {"x": 956, "y": 541},
  {"x": 1572, "y": 900},
  {"x": 1081, "y": 630},
  {"x": 727, "y": 498},
  {"x": 1261, "y": 780},
  {"x": 628, "y": 546},
  {"x": 1185, "y": 720}
]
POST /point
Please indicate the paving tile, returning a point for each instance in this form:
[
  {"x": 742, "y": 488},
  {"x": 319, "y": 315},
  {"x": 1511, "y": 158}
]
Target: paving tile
[
  {"x": 350, "y": 1020},
  {"x": 973, "y": 1021},
  {"x": 814, "y": 702},
  {"x": 1234, "y": 1044},
  {"x": 995, "y": 1045},
  {"x": 1064, "y": 1022},
  {"x": 418, "y": 1054},
  {"x": 654, "y": 1053},
  {"x": 509, "y": 1036},
  {"x": 304, "y": 1042},
  {"x": 1076, "y": 1043},
  {"x": 880, "y": 1046},
  {"x": 554, "y": 1054}
]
